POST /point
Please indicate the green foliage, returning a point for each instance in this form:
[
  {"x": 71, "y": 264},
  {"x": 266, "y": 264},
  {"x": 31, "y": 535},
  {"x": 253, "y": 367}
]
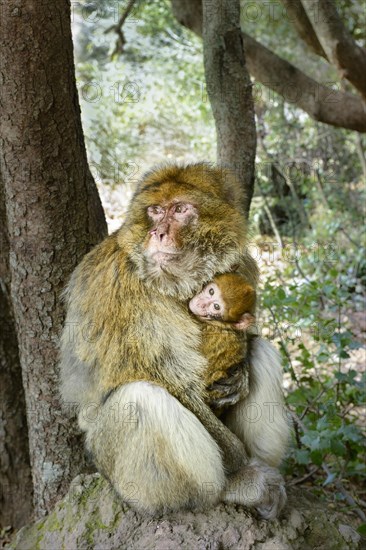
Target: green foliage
[
  {"x": 319, "y": 287},
  {"x": 148, "y": 104}
]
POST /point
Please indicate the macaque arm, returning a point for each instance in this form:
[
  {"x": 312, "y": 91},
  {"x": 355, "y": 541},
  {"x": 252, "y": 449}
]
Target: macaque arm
[{"x": 233, "y": 450}]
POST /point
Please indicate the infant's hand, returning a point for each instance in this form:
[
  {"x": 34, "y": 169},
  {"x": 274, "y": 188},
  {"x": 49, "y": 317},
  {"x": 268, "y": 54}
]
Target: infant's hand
[{"x": 246, "y": 321}]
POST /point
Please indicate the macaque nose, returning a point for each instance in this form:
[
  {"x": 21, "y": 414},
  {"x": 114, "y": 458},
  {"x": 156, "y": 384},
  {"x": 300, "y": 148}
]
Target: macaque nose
[{"x": 159, "y": 232}]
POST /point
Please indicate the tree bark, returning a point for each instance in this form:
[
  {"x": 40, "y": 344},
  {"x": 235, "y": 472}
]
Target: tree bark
[
  {"x": 337, "y": 42},
  {"x": 329, "y": 106},
  {"x": 299, "y": 19},
  {"x": 230, "y": 92},
  {"x": 54, "y": 217},
  {"x": 15, "y": 472}
]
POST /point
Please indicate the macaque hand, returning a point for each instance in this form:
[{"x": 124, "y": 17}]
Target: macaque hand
[
  {"x": 230, "y": 390},
  {"x": 246, "y": 321}
]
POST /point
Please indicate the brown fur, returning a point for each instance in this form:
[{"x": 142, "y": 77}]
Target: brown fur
[
  {"x": 224, "y": 347},
  {"x": 239, "y": 297}
]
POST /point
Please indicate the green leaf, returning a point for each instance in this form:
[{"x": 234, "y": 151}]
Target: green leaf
[
  {"x": 322, "y": 423},
  {"x": 302, "y": 456},
  {"x": 361, "y": 529},
  {"x": 317, "y": 457},
  {"x": 281, "y": 294},
  {"x": 333, "y": 272},
  {"x": 337, "y": 447}
]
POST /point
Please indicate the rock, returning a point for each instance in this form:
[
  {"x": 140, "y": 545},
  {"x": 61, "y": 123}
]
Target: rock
[{"x": 92, "y": 517}]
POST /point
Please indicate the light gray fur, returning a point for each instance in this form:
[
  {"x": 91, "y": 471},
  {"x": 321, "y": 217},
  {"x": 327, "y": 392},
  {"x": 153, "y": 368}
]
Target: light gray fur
[{"x": 260, "y": 420}]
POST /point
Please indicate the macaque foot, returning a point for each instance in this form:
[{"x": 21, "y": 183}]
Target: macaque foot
[{"x": 258, "y": 486}]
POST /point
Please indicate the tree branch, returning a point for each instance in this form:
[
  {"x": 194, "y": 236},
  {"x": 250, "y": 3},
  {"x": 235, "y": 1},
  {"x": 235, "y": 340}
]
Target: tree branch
[
  {"x": 121, "y": 41},
  {"x": 299, "y": 19},
  {"x": 338, "y": 44},
  {"x": 320, "y": 102},
  {"x": 333, "y": 107}
]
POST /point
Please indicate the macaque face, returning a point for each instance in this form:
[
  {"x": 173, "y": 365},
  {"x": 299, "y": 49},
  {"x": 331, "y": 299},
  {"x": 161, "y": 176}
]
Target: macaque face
[
  {"x": 164, "y": 244},
  {"x": 180, "y": 230},
  {"x": 209, "y": 303}
]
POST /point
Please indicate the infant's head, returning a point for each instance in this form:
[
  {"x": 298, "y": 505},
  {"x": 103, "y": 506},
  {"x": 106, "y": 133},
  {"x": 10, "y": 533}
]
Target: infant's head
[{"x": 227, "y": 298}]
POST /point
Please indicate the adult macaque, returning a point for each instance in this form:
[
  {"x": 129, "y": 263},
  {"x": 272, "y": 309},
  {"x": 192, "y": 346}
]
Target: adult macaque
[
  {"x": 142, "y": 353},
  {"x": 227, "y": 306}
]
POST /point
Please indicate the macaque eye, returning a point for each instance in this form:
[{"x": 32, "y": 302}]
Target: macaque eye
[
  {"x": 217, "y": 307},
  {"x": 155, "y": 210},
  {"x": 180, "y": 208},
  {"x": 211, "y": 292}
]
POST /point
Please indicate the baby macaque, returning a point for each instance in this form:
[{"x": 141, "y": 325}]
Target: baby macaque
[
  {"x": 227, "y": 298},
  {"x": 227, "y": 305}
]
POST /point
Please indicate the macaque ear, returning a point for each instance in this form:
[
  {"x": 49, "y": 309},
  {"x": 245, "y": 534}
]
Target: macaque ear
[{"x": 245, "y": 321}]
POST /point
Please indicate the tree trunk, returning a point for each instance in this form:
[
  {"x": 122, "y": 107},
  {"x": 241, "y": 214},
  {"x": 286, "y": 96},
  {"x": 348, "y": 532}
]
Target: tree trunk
[
  {"x": 230, "y": 92},
  {"x": 15, "y": 472},
  {"x": 54, "y": 217}
]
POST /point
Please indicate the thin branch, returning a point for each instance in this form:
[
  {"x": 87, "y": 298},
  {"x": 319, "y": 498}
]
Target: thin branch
[
  {"x": 319, "y": 186},
  {"x": 297, "y": 434},
  {"x": 121, "y": 41},
  {"x": 284, "y": 347},
  {"x": 305, "y": 477},
  {"x": 339, "y": 45},
  {"x": 348, "y": 237},
  {"x": 272, "y": 222},
  {"x": 310, "y": 405},
  {"x": 339, "y": 354},
  {"x": 300, "y": 207},
  {"x": 297, "y": 15}
]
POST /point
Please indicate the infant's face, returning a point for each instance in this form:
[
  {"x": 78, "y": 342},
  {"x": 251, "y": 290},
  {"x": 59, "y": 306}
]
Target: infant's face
[{"x": 208, "y": 304}]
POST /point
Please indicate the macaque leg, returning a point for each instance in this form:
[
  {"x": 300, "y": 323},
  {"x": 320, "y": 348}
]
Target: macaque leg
[
  {"x": 155, "y": 452},
  {"x": 260, "y": 420}
]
